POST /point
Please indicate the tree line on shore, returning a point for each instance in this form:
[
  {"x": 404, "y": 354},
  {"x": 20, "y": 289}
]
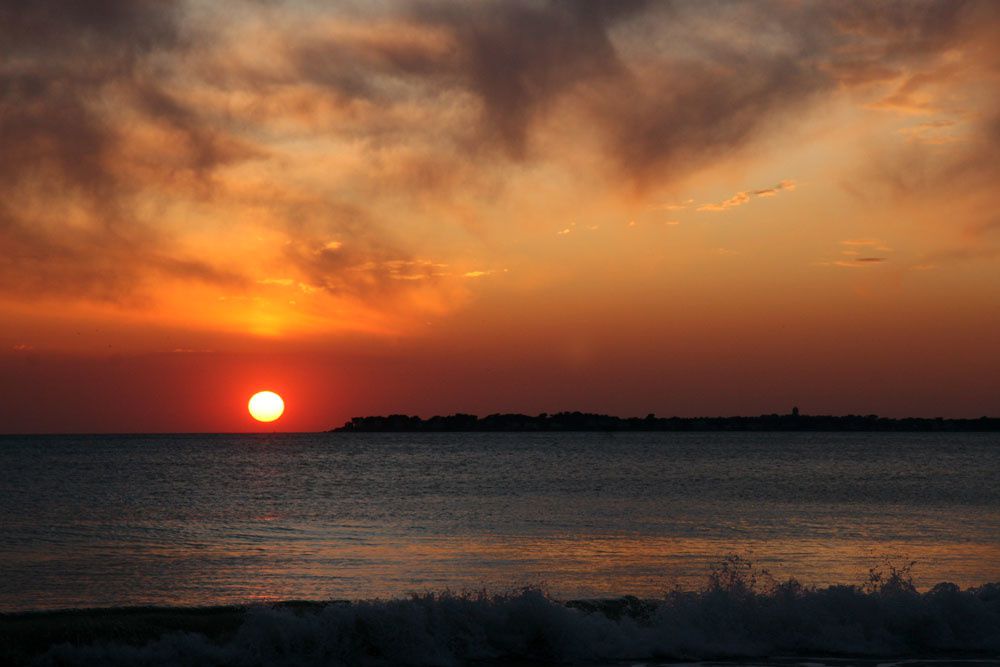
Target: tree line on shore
[{"x": 583, "y": 421}]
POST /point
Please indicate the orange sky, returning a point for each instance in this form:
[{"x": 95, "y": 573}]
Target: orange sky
[{"x": 686, "y": 208}]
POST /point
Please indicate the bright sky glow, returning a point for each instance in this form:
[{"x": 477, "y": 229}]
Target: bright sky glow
[{"x": 694, "y": 208}]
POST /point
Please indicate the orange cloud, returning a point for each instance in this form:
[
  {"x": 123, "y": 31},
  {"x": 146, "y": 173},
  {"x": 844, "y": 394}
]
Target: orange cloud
[
  {"x": 741, "y": 198},
  {"x": 328, "y": 169}
]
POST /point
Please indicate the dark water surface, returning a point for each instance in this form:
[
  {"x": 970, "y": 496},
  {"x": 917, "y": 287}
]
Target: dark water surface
[{"x": 93, "y": 521}]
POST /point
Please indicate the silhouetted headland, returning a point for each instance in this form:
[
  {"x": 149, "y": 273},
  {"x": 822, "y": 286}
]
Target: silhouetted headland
[{"x": 583, "y": 421}]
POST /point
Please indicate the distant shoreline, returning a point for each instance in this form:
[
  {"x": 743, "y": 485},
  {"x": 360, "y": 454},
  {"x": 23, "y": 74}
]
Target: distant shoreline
[{"x": 590, "y": 422}]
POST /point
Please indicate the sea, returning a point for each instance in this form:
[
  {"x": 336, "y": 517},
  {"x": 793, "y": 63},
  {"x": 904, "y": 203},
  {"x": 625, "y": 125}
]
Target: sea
[{"x": 465, "y": 541}]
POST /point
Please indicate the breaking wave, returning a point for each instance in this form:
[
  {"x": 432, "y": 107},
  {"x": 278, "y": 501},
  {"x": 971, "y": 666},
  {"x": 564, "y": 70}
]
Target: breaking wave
[{"x": 734, "y": 617}]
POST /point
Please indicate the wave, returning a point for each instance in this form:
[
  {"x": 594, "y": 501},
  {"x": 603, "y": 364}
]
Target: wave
[{"x": 731, "y": 618}]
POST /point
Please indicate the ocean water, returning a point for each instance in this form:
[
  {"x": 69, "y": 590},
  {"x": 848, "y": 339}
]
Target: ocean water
[
  {"x": 456, "y": 549},
  {"x": 98, "y": 521}
]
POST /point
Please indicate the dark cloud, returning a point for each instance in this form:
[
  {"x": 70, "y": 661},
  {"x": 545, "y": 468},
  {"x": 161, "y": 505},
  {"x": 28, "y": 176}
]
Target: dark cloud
[
  {"x": 898, "y": 28},
  {"x": 518, "y": 57},
  {"x": 69, "y": 68},
  {"x": 696, "y": 111},
  {"x": 695, "y": 94},
  {"x": 206, "y": 146},
  {"x": 730, "y": 96},
  {"x": 118, "y": 31},
  {"x": 61, "y": 56},
  {"x": 515, "y": 57},
  {"x": 351, "y": 64}
]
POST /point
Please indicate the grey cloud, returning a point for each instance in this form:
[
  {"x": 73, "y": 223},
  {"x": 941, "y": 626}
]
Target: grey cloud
[
  {"x": 60, "y": 57},
  {"x": 118, "y": 30},
  {"x": 517, "y": 56},
  {"x": 67, "y": 63},
  {"x": 674, "y": 113}
]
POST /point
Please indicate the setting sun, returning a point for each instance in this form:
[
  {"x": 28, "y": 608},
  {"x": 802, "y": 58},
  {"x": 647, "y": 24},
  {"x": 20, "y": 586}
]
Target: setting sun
[{"x": 266, "y": 406}]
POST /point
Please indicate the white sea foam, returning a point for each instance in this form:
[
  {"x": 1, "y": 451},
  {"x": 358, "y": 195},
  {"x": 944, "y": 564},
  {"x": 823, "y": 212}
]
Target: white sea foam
[{"x": 527, "y": 625}]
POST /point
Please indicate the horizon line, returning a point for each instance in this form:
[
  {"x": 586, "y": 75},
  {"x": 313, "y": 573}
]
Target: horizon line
[{"x": 334, "y": 429}]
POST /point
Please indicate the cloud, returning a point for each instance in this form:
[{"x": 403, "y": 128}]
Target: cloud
[
  {"x": 853, "y": 253},
  {"x": 519, "y": 57},
  {"x": 521, "y": 62},
  {"x": 872, "y": 244},
  {"x": 363, "y": 134},
  {"x": 514, "y": 58},
  {"x": 104, "y": 264},
  {"x": 70, "y": 71},
  {"x": 61, "y": 57},
  {"x": 738, "y": 199},
  {"x": 936, "y": 132},
  {"x": 770, "y": 192},
  {"x": 367, "y": 266},
  {"x": 857, "y": 262},
  {"x": 945, "y": 54},
  {"x": 741, "y": 198},
  {"x": 674, "y": 207}
]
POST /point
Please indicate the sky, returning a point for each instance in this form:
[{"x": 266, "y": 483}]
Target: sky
[{"x": 684, "y": 208}]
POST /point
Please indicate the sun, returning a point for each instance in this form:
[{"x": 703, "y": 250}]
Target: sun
[{"x": 266, "y": 406}]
